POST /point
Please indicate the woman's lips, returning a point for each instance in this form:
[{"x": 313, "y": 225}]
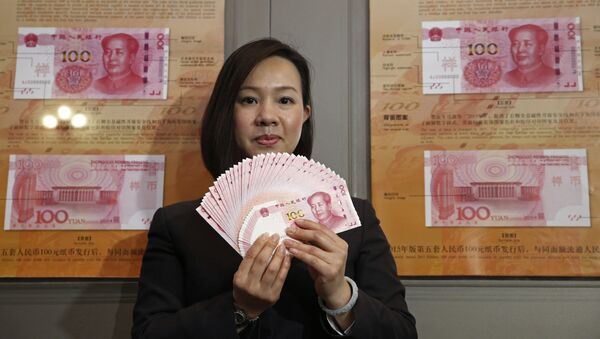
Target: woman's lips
[{"x": 267, "y": 140}]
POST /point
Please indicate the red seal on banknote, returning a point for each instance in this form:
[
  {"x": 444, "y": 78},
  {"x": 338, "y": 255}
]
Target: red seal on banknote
[
  {"x": 264, "y": 212},
  {"x": 74, "y": 79},
  {"x": 483, "y": 72},
  {"x": 31, "y": 40},
  {"x": 435, "y": 34}
]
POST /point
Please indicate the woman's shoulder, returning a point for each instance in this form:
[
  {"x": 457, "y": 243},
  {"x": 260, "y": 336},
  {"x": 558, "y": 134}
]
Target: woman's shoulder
[
  {"x": 358, "y": 201},
  {"x": 183, "y": 206},
  {"x": 180, "y": 212},
  {"x": 362, "y": 207}
]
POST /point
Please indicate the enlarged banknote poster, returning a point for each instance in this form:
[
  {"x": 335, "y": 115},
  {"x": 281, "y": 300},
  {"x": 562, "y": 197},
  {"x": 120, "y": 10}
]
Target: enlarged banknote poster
[
  {"x": 99, "y": 126},
  {"x": 485, "y": 135}
]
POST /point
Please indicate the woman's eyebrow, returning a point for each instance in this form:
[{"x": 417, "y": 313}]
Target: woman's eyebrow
[{"x": 279, "y": 88}]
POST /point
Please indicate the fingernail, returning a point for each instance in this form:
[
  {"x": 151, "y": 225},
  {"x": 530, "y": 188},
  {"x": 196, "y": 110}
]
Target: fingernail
[
  {"x": 262, "y": 236},
  {"x": 274, "y": 238},
  {"x": 291, "y": 229}
]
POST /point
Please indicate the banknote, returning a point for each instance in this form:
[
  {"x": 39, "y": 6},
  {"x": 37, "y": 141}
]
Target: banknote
[
  {"x": 331, "y": 209},
  {"x": 83, "y": 192},
  {"x": 507, "y": 188},
  {"x": 510, "y": 55},
  {"x": 266, "y": 193},
  {"x": 92, "y": 63}
]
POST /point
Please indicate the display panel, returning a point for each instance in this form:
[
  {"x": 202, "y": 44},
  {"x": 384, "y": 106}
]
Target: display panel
[
  {"x": 100, "y": 80},
  {"x": 452, "y": 77}
]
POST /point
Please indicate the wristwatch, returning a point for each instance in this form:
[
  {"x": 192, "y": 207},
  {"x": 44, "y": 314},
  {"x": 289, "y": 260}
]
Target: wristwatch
[{"x": 241, "y": 318}]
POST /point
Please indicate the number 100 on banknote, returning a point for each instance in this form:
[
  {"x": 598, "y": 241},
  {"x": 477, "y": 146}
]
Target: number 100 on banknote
[{"x": 491, "y": 56}]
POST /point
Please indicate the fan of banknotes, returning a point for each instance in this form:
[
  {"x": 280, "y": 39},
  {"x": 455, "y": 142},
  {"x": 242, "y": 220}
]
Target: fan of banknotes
[{"x": 266, "y": 193}]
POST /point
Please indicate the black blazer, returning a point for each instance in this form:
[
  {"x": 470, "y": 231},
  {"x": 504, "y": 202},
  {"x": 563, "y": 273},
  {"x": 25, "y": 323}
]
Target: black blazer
[{"x": 185, "y": 286}]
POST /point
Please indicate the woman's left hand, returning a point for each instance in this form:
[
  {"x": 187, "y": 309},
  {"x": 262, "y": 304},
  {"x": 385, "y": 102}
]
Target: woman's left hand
[{"x": 325, "y": 253}]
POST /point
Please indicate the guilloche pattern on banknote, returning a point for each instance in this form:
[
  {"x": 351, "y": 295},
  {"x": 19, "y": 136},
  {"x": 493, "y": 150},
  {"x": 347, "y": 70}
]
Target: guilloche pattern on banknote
[
  {"x": 511, "y": 55},
  {"x": 507, "y": 188},
  {"x": 92, "y": 63},
  {"x": 85, "y": 192}
]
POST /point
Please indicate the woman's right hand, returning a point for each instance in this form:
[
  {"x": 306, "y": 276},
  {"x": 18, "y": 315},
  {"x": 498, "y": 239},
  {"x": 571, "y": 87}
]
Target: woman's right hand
[{"x": 257, "y": 283}]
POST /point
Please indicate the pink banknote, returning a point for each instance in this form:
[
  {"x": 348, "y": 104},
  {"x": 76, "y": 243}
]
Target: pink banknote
[
  {"x": 92, "y": 63},
  {"x": 507, "y": 188},
  {"x": 83, "y": 192},
  {"x": 332, "y": 208},
  {"x": 511, "y": 55},
  {"x": 266, "y": 193}
]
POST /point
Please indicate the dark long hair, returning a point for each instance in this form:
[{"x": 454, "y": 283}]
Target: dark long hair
[{"x": 219, "y": 148}]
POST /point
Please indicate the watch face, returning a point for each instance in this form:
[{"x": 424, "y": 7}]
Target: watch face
[{"x": 240, "y": 317}]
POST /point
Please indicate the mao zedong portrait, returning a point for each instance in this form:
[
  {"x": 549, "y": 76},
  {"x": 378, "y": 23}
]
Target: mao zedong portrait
[
  {"x": 527, "y": 46},
  {"x": 320, "y": 205},
  {"x": 119, "y": 51}
]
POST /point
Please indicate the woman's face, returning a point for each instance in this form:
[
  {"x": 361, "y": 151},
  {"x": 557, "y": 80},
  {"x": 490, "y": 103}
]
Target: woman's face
[{"x": 269, "y": 111}]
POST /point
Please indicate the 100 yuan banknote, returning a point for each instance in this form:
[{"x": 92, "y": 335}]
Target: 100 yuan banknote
[
  {"x": 92, "y": 63},
  {"x": 83, "y": 192},
  {"x": 512, "y": 55},
  {"x": 507, "y": 188},
  {"x": 332, "y": 208}
]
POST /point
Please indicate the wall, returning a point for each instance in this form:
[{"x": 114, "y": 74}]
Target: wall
[{"x": 334, "y": 35}]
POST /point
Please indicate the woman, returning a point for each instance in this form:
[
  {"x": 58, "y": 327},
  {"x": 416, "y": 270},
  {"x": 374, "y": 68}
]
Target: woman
[{"x": 194, "y": 285}]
